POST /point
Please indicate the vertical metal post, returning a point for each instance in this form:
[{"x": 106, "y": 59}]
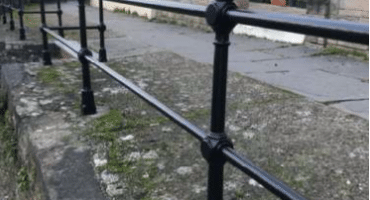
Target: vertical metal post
[
  {"x": 102, "y": 28},
  {"x": 22, "y": 32},
  {"x": 88, "y": 103},
  {"x": 45, "y": 51},
  {"x": 60, "y": 12},
  {"x": 217, "y": 140},
  {"x": 4, "y": 12},
  {"x": 11, "y": 15},
  {"x": 327, "y": 16}
]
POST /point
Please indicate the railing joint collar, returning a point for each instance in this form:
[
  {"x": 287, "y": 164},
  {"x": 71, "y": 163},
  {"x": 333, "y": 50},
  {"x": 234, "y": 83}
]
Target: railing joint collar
[{"x": 212, "y": 145}]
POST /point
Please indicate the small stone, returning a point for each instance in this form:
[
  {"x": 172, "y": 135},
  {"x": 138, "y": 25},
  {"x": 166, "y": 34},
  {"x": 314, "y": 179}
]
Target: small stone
[
  {"x": 146, "y": 175},
  {"x": 127, "y": 137},
  {"x": 198, "y": 189},
  {"x": 99, "y": 161},
  {"x": 115, "y": 189},
  {"x": 45, "y": 102},
  {"x": 166, "y": 129},
  {"x": 109, "y": 178},
  {"x": 252, "y": 182},
  {"x": 160, "y": 166},
  {"x": 134, "y": 156},
  {"x": 339, "y": 171},
  {"x": 234, "y": 128},
  {"x": 184, "y": 170},
  {"x": 230, "y": 185},
  {"x": 248, "y": 135},
  {"x": 150, "y": 155},
  {"x": 348, "y": 182},
  {"x": 143, "y": 112}
]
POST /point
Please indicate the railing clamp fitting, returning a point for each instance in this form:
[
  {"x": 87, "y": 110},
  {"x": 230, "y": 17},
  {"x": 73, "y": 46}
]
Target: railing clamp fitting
[
  {"x": 82, "y": 53},
  {"x": 102, "y": 27},
  {"x": 212, "y": 146},
  {"x": 216, "y": 16}
]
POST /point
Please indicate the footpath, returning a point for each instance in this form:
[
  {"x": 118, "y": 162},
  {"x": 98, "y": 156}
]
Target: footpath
[{"x": 130, "y": 151}]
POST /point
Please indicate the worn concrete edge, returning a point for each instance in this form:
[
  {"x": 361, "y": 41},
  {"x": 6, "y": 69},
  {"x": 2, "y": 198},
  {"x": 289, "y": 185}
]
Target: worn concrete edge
[{"x": 45, "y": 158}]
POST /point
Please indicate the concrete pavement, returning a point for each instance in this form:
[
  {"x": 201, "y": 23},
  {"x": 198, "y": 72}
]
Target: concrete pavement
[{"x": 333, "y": 80}]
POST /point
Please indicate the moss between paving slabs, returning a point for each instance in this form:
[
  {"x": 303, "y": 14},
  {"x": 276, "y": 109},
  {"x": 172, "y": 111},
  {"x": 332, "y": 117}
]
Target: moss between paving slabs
[
  {"x": 332, "y": 50},
  {"x": 139, "y": 154}
]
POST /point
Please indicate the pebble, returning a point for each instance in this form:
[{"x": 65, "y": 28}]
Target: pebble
[
  {"x": 150, "y": 155},
  {"x": 127, "y": 137},
  {"x": 184, "y": 170},
  {"x": 109, "y": 178},
  {"x": 115, "y": 189}
]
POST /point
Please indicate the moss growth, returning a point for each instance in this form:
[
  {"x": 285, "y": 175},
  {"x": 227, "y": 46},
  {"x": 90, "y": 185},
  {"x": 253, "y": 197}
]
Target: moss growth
[
  {"x": 23, "y": 180},
  {"x": 239, "y": 194},
  {"x": 338, "y": 51},
  {"x": 197, "y": 114},
  {"x": 116, "y": 162},
  {"x": 105, "y": 127},
  {"x": 72, "y": 65},
  {"x": 9, "y": 142},
  {"x": 49, "y": 75}
]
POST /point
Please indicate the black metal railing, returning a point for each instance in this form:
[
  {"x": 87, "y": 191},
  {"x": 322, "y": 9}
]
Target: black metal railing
[
  {"x": 8, "y": 6},
  {"x": 222, "y": 16}
]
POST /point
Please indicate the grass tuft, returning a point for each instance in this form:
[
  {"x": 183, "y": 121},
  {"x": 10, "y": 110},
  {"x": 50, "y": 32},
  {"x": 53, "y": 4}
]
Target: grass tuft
[{"x": 338, "y": 51}]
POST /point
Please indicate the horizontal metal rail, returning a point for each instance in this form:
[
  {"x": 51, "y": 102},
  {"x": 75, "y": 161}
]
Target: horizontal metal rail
[
  {"x": 269, "y": 182},
  {"x": 335, "y": 29},
  {"x": 274, "y": 185},
  {"x": 71, "y": 27},
  {"x": 38, "y": 12}
]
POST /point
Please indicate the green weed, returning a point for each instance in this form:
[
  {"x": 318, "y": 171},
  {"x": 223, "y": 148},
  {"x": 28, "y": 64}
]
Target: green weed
[{"x": 338, "y": 51}]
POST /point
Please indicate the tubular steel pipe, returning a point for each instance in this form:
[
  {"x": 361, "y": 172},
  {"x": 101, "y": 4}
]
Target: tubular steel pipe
[
  {"x": 11, "y": 16},
  {"x": 61, "y": 33},
  {"x": 22, "y": 32},
  {"x": 87, "y": 104},
  {"x": 102, "y": 51},
  {"x": 61, "y": 40},
  {"x": 38, "y": 12},
  {"x": 269, "y": 182},
  {"x": 334, "y": 29},
  {"x": 45, "y": 51},
  {"x": 4, "y": 8}
]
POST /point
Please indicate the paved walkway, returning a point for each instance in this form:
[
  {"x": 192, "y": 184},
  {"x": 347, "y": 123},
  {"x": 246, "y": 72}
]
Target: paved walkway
[{"x": 334, "y": 80}]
